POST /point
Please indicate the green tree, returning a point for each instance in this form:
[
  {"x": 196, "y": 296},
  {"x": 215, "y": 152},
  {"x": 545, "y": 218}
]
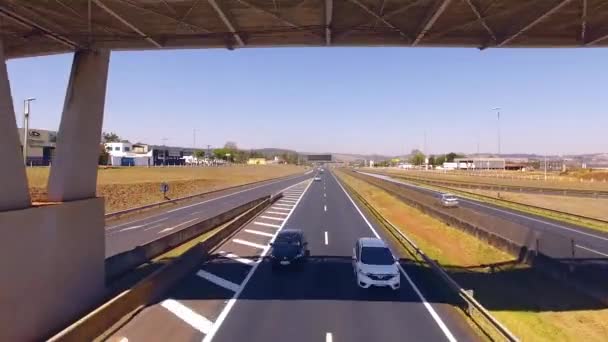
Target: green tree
[
  {"x": 199, "y": 154},
  {"x": 109, "y": 137},
  {"x": 439, "y": 160},
  {"x": 432, "y": 160},
  {"x": 451, "y": 156},
  {"x": 104, "y": 156},
  {"x": 417, "y": 157}
]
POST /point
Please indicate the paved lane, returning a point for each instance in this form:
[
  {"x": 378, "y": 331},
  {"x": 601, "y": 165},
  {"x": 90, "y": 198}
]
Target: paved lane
[
  {"x": 555, "y": 236},
  {"x": 128, "y": 233},
  {"x": 236, "y": 296}
]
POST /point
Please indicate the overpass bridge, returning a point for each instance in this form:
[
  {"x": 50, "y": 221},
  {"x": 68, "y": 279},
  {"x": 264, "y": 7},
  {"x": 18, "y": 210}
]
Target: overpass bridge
[{"x": 64, "y": 240}]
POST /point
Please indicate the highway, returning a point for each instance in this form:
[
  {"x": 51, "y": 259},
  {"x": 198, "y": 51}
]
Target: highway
[
  {"x": 132, "y": 231},
  {"x": 235, "y": 295},
  {"x": 556, "y": 238}
]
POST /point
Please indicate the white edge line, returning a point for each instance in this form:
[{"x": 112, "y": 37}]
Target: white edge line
[
  {"x": 222, "y": 316},
  {"x": 430, "y": 309},
  {"x": 591, "y": 250},
  {"x": 187, "y": 315}
]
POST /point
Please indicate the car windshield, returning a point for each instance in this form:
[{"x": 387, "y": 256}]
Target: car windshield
[
  {"x": 376, "y": 256},
  {"x": 288, "y": 239}
]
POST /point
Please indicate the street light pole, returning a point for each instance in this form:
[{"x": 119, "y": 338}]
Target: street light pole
[
  {"x": 497, "y": 109},
  {"x": 26, "y": 126}
]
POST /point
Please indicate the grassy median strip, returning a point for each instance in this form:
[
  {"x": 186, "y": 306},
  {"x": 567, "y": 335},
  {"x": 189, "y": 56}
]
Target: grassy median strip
[
  {"x": 563, "y": 217},
  {"x": 533, "y": 306}
]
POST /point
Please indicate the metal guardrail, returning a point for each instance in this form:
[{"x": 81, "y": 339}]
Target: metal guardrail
[
  {"x": 559, "y": 212},
  {"x": 472, "y": 303},
  {"x": 513, "y": 188},
  {"x": 158, "y": 204}
]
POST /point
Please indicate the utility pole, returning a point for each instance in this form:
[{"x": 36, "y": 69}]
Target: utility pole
[
  {"x": 497, "y": 109},
  {"x": 545, "y": 167},
  {"x": 26, "y": 126},
  {"x": 193, "y": 138}
]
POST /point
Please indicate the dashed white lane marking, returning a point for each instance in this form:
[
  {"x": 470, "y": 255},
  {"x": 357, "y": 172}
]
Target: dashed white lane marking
[
  {"x": 220, "y": 319},
  {"x": 276, "y": 213},
  {"x": 177, "y": 225},
  {"x": 591, "y": 250},
  {"x": 132, "y": 227},
  {"x": 267, "y": 224},
  {"x": 324, "y": 195},
  {"x": 329, "y": 337},
  {"x": 247, "y": 243},
  {"x": 257, "y": 232},
  {"x": 237, "y": 258},
  {"x": 446, "y": 331},
  {"x": 272, "y": 218},
  {"x": 275, "y": 208},
  {"x": 195, "y": 320},
  {"x": 227, "y": 284},
  {"x": 326, "y": 239},
  {"x": 325, "y": 207}
]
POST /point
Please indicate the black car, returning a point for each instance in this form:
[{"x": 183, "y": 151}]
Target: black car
[{"x": 289, "y": 247}]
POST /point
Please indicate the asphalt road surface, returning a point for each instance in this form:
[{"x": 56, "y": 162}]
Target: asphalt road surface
[
  {"x": 236, "y": 296},
  {"x": 128, "y": 233},
  {"x": 557, "y": 239}
]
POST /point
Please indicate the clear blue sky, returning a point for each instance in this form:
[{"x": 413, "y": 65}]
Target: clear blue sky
[{"x": 350, "y": 100}]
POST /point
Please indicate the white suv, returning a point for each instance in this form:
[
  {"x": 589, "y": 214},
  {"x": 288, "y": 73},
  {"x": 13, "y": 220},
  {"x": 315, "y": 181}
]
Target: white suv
[{"x": 375, "y": 265}]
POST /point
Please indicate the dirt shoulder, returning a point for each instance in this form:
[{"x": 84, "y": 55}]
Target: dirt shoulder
[{"x": 128, "y": 187}]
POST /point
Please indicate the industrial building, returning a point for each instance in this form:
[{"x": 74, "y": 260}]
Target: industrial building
[
  {"x": 480, "y": 163},
  {"x": 40, "y": 146}
]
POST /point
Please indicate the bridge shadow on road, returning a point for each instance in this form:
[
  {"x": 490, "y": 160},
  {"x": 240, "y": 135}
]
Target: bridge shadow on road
[{"x": 509, "y": 286}]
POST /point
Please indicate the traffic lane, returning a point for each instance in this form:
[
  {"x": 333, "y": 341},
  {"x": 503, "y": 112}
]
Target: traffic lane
[
  {"x": 127, "y": 236},
  {"x": 556, "y": 236},
  {"x": 322, "y": 296},
  {"x": 200, "y": 298}
]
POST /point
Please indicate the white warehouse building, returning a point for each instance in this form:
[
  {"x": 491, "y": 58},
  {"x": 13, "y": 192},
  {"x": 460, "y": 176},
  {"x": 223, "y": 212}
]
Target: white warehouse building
[{"x": 128, "y": 154}]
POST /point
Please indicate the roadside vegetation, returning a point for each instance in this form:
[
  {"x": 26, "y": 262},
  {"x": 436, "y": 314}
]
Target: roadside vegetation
[
  {"x": 127, "y": 187},
  {"x": 531, "y": 305}
]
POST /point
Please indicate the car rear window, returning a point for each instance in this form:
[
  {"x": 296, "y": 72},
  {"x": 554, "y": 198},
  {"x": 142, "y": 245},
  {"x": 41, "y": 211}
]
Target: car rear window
[
  {"x": 376, "y": 256},
  {"x": 288, "y": 239}
]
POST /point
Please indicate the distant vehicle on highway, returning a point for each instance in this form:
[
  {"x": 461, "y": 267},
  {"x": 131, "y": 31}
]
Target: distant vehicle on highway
[
  {"x": 449, "y": 200},
  {"x": 375, "y": 265},
  {"x": 289, "y": 247},
  {"x": 321, "y": 170},
  {"x": 317, "y": 178}
]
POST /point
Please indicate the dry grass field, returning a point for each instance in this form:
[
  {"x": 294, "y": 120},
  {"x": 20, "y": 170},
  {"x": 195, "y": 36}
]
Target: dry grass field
[
  {"x": 533, "y": 306},
  {"x": 511, "y": 178},
  {"x": 126, "y": 187}
]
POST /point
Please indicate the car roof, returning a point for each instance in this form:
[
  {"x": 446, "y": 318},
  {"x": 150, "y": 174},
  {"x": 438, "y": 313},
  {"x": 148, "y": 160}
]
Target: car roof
[
  {"x": 371, "y": 242},
  {"x": 447, "y": 194},
  {"x": 291, "y": 231}
]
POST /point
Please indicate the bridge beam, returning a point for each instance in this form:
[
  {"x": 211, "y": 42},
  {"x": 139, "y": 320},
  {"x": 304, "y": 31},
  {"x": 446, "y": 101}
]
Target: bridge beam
[
  {"x": 220, "y": 12},
  {"x": 74, "y": 171},
  {"x": 14, "y": 193}
]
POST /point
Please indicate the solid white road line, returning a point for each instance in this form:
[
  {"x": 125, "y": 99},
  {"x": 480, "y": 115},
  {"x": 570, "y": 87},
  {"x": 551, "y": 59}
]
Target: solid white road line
[
  {"x": 429, "y": 307},
  {"x": 220, "y": 319},
  {"x": 237, "y": 258},
  {"x": 274, "y": 208},
  {"x": 195, "y": 320},
  {"x": 276, "y": 213},
  {"x": 326, "y": 239},
  {"x": 247, "y": 243},
  {"x": 329, "y": 337},
  {"x": 272, "y": 218},
  {"x": 591, "y": 250},
  {"x": 257, "y": 232},
  {"x": 181, "y": 224},
  {"x": 158, "y": 225},
  {"x": 218, "y": 281},
  {"x": 267, "y": 224}
]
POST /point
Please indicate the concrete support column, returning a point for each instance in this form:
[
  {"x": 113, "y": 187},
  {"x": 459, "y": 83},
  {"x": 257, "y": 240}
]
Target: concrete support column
[
  {"x": 74, "y": 169},
  {"x": 14, "y": 193}
]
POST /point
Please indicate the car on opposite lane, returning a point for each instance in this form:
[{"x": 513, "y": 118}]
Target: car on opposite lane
[
  {"x": 375, "y": 265},
  {"x": 448, "y": 200},
  {"x": 289, "y": 247}
]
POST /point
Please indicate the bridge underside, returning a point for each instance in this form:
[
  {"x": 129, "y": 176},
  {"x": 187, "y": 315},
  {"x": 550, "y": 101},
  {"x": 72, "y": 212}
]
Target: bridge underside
[{"x": 44, "y": 27}]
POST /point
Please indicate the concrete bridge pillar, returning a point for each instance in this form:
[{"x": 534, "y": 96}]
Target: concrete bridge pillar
[
  {"x": 52, "y": 255},
  {"x": 14, "y": 193}
]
